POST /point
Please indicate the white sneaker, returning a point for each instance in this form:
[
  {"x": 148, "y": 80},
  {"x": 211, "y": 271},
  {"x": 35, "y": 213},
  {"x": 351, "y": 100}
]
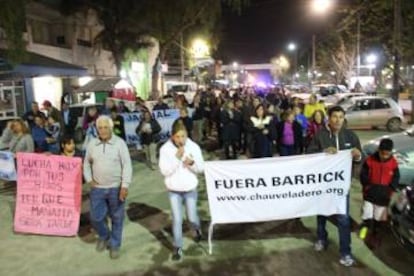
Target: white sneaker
[
  {"x": 319, "y": 245},
  {"x": 347, "y": 260}
]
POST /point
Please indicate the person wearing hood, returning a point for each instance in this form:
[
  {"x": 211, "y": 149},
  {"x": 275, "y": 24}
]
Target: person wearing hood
[{"x": 330, "y": 139}]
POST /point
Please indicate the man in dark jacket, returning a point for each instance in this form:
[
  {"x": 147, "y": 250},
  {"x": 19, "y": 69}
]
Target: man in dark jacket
[
  {"x": 379, "y": 177},
  {"x": 69, "y": 120},
  {"x": 331, "y": 139},
  {"x": 119, "y": 128}
]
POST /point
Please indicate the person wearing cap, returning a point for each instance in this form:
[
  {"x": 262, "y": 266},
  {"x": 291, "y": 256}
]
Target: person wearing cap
[
  {"x": 331, "y": 138},
  {"x": 379, "y": 177}
]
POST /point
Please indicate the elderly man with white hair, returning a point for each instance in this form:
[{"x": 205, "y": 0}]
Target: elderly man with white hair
[{"x": 107, "y": 168}]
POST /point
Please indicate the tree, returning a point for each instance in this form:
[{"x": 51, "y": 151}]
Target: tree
[
  {"x": 126, "y": 22},
  {"x": 336, "y": 52},
  {"x": 12, "y": 21},
  {"x": 169, "y": 20},
  {"x": 121, "y": 30},
  {"x": 380, "y": 29}
]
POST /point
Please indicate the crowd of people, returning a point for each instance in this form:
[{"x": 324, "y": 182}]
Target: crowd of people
[{"x": 241, "y": 123}]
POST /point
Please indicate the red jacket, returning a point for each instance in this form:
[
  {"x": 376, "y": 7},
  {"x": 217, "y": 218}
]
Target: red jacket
[{"x": 379, "y": 178}]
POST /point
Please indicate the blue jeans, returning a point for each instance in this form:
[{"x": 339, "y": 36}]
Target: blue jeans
[
  {"x": 344, "y": 230},
  {"x": 104, "y": 201},
  {"x": 176, "y": 201}
]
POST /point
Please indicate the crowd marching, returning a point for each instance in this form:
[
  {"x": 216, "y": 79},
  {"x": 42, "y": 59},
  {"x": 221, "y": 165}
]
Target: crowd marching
[{"x": 243, "y": 123}]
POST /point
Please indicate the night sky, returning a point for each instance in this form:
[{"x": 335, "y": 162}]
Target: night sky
[{"x": 264, "y": 29}]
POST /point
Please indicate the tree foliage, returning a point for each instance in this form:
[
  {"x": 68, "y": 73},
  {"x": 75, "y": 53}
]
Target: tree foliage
[
  {"x": 126, "y": 22},
  {"x": 12, "y": 21},
  {"x": 338, "y": 47}
]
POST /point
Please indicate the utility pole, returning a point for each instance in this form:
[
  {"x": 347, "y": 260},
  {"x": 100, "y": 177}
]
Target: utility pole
[
  {"x": 397, "y": 50},
  {"x": 182, "y": 56},
  {"x": 313, "y": 53},
  {"x": 313, "y": 68},
  {"x": 358, "y": 46}
]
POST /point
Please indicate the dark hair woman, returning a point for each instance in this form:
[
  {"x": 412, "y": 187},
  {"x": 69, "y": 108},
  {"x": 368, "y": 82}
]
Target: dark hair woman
[
  {"x": 315, "y": 124},
  {"x": 263, "y": 131},
  {"x": 289, "y": 135}
]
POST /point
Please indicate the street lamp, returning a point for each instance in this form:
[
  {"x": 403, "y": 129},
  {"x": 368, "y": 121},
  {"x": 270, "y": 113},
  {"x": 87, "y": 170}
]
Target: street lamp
[
  {"x": 318, "y": 7},
  {"x": 321, "y": 6},
  {"x": 200, "y": 49},
  {"x": 371, "y": 59},
  {"x": 292, "y": 48}
]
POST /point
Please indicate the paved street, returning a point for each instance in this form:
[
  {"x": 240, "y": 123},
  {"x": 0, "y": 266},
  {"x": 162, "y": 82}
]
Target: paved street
[{"x": 272, "y": 248}]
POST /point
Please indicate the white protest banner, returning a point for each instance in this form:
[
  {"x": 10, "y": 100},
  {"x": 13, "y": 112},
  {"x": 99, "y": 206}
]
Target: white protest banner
[
  {"x": 164, "y": 117},
  {"x": 7, "y": 166},
  {"x": 277, "y": 188}
]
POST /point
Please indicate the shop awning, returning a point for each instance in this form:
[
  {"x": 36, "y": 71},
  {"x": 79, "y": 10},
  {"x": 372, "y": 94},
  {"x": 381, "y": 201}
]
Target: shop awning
[
  {"x": 35, "y": 65},
  {"x": 99, "y": 85}
]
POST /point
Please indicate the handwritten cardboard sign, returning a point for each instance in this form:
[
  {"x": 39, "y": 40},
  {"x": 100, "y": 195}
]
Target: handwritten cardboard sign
[{"x": 48, "y": 194}]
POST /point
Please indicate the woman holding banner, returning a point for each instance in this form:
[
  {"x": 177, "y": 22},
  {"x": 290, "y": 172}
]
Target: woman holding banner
[{"x": 180, "y": 162}]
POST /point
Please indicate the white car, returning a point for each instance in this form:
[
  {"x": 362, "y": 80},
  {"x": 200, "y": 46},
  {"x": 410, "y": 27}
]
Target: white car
[
  {"x": 373, "y": 111},
  {"x": 343, "y": 98}
]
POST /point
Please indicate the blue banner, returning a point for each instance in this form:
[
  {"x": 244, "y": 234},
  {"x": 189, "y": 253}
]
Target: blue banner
[{"x": 164, "y": 117}]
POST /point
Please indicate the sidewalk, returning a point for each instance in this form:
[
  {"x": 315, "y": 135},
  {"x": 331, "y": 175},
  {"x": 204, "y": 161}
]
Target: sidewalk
[{"x": 272, "y": 248}]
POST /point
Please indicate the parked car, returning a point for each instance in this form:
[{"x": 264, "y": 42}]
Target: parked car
[
  {"x": 340, "y": 99},
  {"x": 402, "y": 218},
  {"x": 329, "y": 89},
  {"x": 403, "y": 151},
  {"x": 79, "y": 111},
  {"x": 373, "y": 111},
  {"x": 328, "y": 93},
  {"x": 188, "y": 89}
]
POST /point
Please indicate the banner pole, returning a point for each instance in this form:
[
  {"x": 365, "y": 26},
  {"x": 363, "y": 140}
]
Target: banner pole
[{"x": 210, "y": 238}]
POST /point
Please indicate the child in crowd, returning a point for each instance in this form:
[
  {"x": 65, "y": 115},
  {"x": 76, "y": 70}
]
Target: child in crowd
[
  {"x": 379, "y": 177},
  {"x": 53, "y": 131},
  {"x": 68, "y": 147}
]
